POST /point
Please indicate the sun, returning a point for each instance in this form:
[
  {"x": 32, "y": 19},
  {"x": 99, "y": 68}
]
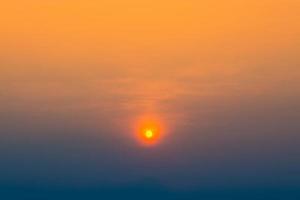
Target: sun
[
  {"x": 149, "y": 132},
  {"x": 149, "y": 136}
]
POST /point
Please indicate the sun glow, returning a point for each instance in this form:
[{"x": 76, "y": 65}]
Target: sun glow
[{"x": 149, "y": 132}]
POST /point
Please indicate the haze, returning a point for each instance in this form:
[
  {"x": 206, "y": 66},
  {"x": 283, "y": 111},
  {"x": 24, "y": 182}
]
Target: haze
[{"x": 222, "y": 77}]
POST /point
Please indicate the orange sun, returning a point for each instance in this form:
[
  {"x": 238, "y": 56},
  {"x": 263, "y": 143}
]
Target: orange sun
[
  {"x": 149, "y": 132},
  {"x": 149, "y": 136}
]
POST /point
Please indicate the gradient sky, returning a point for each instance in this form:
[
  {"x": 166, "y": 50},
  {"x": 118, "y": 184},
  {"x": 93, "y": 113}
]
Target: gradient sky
[{"x": 222, "y": 78}]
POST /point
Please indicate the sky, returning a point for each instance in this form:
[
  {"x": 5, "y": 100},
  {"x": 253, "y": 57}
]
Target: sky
[{"x": 219, "y": 79}]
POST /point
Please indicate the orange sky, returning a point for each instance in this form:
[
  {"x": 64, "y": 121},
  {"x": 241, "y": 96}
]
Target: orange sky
[
  {"x": 216, "y": 81},
  {"x": 115, "y": 58}
]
